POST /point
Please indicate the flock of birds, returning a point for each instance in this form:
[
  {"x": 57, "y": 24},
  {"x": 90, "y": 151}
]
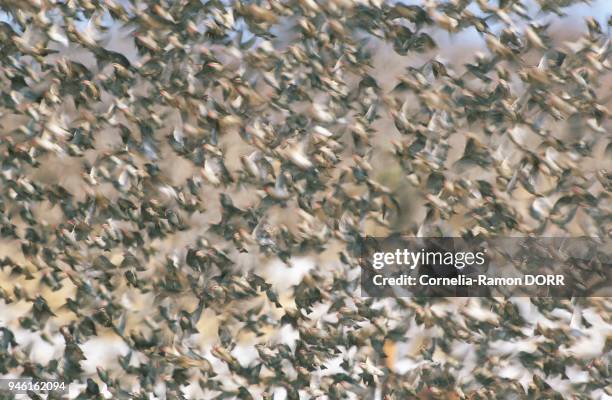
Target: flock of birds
[{"x": 148, "y": 146}]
